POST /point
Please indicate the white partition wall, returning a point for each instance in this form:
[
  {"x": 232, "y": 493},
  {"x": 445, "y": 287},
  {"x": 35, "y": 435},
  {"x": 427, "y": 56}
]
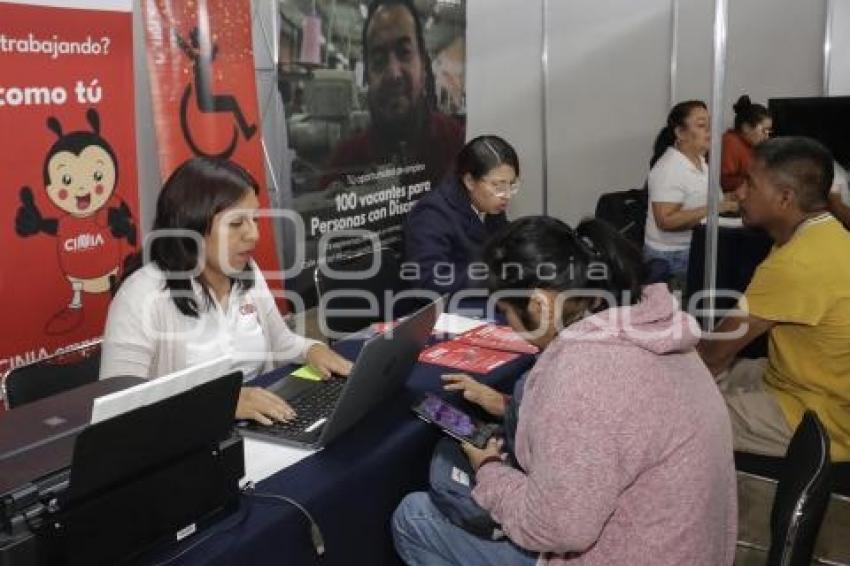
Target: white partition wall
[
  {"x": 608, "y": 71},
  {"x": 839, "y": 52},
  {"x": 504, "y": 83},
  {"x": 609, "y": 67},
  {"x": 774, "y": 49}
]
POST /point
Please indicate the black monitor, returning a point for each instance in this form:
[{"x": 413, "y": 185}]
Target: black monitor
[{"x": 824, "y": 118}]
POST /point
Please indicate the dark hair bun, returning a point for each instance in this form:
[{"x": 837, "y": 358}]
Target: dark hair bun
[
  {"x": 749, "y": 112},
  {"x": 744, "y": 103}
]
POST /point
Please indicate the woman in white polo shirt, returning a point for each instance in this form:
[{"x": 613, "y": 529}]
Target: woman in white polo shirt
[
  {"x": 200, "y": 294},
  {"x": 678, "y": 186}
]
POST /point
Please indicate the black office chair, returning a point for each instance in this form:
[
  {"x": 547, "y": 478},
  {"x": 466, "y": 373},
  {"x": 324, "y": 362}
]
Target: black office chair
[
  {"x": 626, "y": 211},
  {"x": 771, "y": 467},
  {"x": 802, "y": 495},
  {"x": 55, "y": 374},
  {"x": 348, "y": 305}
]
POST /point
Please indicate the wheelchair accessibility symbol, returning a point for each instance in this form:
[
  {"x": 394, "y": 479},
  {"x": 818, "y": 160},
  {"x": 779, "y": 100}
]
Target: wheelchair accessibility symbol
[{"x": 205, "y": 101}]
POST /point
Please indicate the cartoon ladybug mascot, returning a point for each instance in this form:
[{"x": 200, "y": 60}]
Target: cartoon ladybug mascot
[{"x": 80, "y": 176}]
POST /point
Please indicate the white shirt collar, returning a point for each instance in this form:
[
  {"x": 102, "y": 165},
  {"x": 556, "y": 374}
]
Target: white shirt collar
[{"x": 690, "y": 164}]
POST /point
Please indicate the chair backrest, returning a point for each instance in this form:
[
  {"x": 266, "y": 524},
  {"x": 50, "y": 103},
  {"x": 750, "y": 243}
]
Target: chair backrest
[
  {"x": 347, "y": 305},
  {"x": 626, "y": 211},
  {"x": 49, "y": 376},
  {"x": 802, "y": 495}
]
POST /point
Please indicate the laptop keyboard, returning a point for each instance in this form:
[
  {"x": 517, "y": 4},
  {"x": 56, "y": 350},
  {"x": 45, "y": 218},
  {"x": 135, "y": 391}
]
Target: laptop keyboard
[{"x": 311, "y": 407}]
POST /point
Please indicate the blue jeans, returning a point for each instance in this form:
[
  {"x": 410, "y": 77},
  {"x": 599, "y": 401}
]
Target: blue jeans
[
  {"x": 424, "y": 536},
  {"x": 677, "y": 260}
]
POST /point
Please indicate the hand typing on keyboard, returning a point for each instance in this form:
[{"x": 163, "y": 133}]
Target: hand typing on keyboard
[
  {"x": 327, "y": 362},
  {"x": 262, "y": 406},
  {"x": 314, "y": 407}
]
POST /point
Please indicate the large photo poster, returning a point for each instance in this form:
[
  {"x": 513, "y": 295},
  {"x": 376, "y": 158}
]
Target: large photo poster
[
  {"x": 68, "y": 170},
  {"x": 374, "y": 96}
]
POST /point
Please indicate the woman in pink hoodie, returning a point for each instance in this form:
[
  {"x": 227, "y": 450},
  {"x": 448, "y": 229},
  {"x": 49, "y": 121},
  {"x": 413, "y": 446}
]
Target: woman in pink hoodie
[{"x": 623, "y": 440}]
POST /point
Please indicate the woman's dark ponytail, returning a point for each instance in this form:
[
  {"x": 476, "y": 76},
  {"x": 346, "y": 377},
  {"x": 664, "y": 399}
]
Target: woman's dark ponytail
[
  {"x": 742, "y": 105},
  {"x": 622, "y": 259},
  {"x": 665, "y": 138}
]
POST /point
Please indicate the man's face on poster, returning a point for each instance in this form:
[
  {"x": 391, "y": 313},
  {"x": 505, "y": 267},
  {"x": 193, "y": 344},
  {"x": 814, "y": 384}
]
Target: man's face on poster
[{"x": 396, "y": 74}]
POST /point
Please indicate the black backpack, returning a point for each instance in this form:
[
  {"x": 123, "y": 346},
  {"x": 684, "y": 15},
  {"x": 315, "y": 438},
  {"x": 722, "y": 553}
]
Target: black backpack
[{"x": 626, "y": 211}]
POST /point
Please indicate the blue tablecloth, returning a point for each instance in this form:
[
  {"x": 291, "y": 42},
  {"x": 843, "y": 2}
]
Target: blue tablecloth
[
  {"x": 739, "y": 253},
  {"x": 351, "y": 487}
]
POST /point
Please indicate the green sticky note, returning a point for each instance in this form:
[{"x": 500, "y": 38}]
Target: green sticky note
[{"x": 307, "y": 372}]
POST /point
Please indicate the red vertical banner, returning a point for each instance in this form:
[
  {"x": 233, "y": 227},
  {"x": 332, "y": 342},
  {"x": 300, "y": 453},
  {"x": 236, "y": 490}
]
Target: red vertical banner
[
  {"x": 69, "y": 202},
  {"x": 201, "y": 64}
]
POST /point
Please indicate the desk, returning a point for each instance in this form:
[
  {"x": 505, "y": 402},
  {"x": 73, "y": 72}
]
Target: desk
[
  {"x": 351, "y": 487},
  {"x": 739, "y": 253}
]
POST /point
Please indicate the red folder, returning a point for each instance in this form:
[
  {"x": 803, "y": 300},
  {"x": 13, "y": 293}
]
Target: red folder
[
  {"x": 466, "y": 357},
  {"x": 498, "y": 338}
]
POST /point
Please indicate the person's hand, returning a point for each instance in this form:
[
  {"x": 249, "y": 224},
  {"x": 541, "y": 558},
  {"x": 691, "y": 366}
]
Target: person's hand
[
  {"x": 475, "y": 392},
  {"x": 478, "y": 455},
  {"x": 327, "y": 362},
  {"x": 259, "y": 405},
  {"x": 28, "y": 219}
]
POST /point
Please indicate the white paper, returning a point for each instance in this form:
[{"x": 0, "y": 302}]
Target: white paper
[
  {"x": 726, "y": 222},
  {"x": 263, "y": 459},
  {"x": 456, "y": 324},
  {"x": 155, "y": 390}
]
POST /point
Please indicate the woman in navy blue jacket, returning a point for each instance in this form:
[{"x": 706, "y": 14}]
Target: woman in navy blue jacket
[{"x": 447, "y": 229}]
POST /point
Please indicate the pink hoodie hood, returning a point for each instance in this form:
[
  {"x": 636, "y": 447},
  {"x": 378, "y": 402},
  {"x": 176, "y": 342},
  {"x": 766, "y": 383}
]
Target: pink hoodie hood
[{"x": 655, "y": 324}]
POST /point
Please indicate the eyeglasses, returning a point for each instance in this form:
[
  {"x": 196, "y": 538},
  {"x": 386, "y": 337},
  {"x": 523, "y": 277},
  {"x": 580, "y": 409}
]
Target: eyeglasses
[{"x": 501, "y": 188}]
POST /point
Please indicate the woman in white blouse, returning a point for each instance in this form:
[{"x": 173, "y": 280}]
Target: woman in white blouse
[
  {"x": 678, "y": 186},
  {"x": 200, "y": 294}
]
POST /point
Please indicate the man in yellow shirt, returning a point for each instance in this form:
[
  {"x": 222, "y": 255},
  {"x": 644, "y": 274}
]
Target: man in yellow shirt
[{"x": 800, "y": 294}]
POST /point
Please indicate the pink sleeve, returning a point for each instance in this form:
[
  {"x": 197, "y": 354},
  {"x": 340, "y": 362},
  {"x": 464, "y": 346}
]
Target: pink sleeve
[{"x": 562, "y": 504}]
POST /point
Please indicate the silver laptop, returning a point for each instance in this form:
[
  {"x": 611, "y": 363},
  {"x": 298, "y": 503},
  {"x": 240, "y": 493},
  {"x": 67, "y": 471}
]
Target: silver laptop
[{"x": 328, "y": 408}]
